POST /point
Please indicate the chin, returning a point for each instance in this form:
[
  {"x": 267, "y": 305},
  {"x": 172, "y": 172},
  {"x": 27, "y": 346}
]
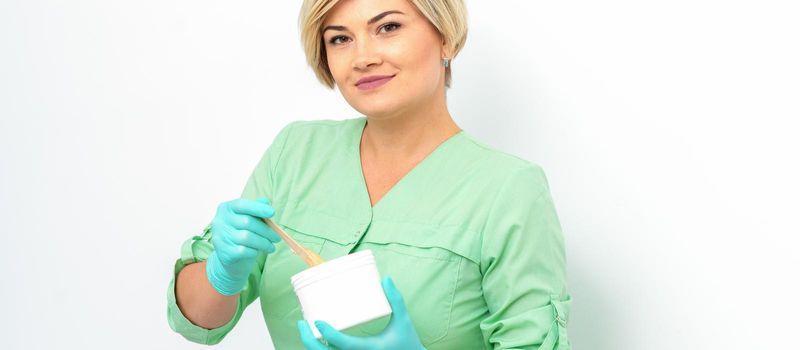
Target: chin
[
  {"x": 377, "y": 112},
  {"x": 375, "y": 106}
]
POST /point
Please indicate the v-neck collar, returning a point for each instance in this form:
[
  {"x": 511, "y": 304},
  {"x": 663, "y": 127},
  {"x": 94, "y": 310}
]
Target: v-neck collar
[{"x": 355, "y": 145}]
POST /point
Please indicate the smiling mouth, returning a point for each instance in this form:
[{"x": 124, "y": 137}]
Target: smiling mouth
[{"x": 374, "y": 84}]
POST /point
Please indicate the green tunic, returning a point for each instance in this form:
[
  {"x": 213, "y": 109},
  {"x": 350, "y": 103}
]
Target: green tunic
[{"x": 470, "y": 236}]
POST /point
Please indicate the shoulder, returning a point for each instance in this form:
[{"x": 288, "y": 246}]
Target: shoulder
[
  {"x": 320, "y": 126},
  {"x": 321, "y": 133},
  {"x": 505, "y": 168}
]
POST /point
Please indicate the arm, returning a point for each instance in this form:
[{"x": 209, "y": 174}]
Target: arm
[
  {"x": 194, "y": 308},
  {"x": 524, "y": 267},
  {"x": 200, "y": 302},
  {"x": 194, "y": 252}
]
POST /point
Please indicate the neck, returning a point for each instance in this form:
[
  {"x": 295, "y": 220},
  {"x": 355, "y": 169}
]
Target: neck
[{"x": 409, "y": 133}]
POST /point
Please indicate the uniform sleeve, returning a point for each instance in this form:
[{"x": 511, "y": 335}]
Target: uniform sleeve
[
  {"x": 198, "y": 248},
  {"x": 523, "y": 264}
]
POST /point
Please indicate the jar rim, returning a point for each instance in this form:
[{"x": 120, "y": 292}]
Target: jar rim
[{"x": 332, "y": 268}]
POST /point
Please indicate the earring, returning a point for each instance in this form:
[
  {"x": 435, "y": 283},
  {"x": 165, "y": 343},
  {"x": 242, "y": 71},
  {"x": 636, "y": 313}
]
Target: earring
[{"x": 446, "y": 62}]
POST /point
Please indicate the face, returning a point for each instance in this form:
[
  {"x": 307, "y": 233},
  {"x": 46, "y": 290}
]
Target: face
[{"x": 369, "y": 39}]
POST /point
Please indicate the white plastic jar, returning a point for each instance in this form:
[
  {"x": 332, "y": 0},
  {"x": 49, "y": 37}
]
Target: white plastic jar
[{"x": 344, "y": 292}]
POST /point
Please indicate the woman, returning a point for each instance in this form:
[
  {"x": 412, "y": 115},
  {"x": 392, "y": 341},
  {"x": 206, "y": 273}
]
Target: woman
[{"x": 468, "y": 234}]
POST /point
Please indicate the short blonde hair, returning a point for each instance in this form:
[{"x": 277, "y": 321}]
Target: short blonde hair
[{"x": 448, "y": 16}]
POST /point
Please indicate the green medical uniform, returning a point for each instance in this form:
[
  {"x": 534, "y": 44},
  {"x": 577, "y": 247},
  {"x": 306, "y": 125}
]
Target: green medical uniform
[{"x": 470, "y": 237}]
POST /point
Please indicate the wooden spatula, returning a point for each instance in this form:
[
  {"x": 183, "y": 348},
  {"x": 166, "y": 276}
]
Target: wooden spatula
[{"x": 311, "y": 258}]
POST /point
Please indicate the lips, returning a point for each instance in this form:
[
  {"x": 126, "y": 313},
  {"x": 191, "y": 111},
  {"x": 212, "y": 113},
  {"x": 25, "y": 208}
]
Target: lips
[{"x": 373, "y": 81}]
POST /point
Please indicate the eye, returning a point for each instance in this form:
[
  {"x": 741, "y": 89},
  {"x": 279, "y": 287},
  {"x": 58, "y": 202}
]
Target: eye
[
  {"x": 392, "y": 25},
  {"x": 334, "y": 39}
]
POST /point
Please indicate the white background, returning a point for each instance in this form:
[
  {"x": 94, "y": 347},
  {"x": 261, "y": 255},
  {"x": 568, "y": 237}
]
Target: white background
[{"x": 668, "y": 132}]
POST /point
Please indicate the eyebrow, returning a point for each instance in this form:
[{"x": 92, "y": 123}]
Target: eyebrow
[{"x": 371, "y": 21}]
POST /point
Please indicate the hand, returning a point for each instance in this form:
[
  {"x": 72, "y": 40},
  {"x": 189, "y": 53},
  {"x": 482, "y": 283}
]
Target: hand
[
  {"x": 238, "y": 234},
  {"x": 398, "y": 335}
]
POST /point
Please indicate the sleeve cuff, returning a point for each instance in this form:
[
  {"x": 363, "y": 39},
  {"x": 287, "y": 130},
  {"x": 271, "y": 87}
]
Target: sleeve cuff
[
  {"x": 181, "y": 325},
  {"x": 557, "y": 338}
]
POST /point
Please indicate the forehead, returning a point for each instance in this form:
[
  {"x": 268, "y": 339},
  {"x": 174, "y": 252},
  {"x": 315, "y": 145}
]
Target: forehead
[{"x": 360, "y": 11}]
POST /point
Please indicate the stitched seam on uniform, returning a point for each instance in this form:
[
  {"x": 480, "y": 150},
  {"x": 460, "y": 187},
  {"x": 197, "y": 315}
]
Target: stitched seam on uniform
[
  {"x": 413, "y": 255},
  {"x": 432, "y": 225},
  {"x": 452, "y": 302},
  {"x": 326, "y": 122},
  {"x": 460, "y": 227},
  {"x": 494, "y": 150},
  {"x": 494, "y": 203},
  {"x": 489, "y": 214},
  {"x": 322, "y": 122},
  {"x": 280, "y": 155}
]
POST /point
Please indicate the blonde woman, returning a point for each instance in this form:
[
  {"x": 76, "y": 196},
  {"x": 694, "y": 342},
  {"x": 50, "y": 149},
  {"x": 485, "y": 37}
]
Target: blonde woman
[{"x": 467, "y": 236}]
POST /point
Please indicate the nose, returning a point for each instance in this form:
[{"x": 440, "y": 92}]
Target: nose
[{"x": 366, "y": 55}]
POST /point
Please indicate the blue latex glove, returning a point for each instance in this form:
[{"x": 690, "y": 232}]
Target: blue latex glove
[
  {"x": 398, "y": 335},
  {"x": 238, "y": 234}
]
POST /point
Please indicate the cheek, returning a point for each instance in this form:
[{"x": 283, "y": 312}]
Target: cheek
[
  {"x": 336, "y": 68},
  {"x": 338, "y": 64},
  {"x": 419, "y": 57},
  {"x": 423, "y": 72}
]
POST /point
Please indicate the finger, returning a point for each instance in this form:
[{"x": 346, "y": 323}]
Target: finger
[
  {"x": 253, "y": 224},
  {"x": 251, "y": 240},
  {"x": 251, "y": 207},
  {"x": 400, "y": 318},
  {"x": 245, "y": 214},
  {"x": 229, "y": 253},
  {"x": 308, "y": 338},
  {"x": 395, "y": 298},
  {"x": 336, "y": 338}
]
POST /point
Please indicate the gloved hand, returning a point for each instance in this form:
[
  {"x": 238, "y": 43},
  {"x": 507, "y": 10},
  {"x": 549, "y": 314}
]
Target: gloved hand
[
  {"x": 398, "y": 335},
  {"x": 238, "y": 234}
]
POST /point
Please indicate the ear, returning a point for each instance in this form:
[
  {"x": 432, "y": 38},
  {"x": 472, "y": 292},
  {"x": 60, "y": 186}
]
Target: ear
[{"x": 446, "y": 50}]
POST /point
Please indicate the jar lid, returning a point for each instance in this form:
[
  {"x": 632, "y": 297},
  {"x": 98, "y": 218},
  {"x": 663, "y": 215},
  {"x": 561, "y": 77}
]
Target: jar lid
[{"x": 332, "y": 267}]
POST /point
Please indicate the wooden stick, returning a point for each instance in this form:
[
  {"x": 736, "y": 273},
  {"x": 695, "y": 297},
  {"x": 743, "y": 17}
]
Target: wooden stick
[{"x": 311, "y": 258}]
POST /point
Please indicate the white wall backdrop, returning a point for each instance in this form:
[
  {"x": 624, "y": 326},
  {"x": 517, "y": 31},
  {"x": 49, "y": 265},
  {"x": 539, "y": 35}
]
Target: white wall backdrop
[{"x": 668, "y": 131}]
